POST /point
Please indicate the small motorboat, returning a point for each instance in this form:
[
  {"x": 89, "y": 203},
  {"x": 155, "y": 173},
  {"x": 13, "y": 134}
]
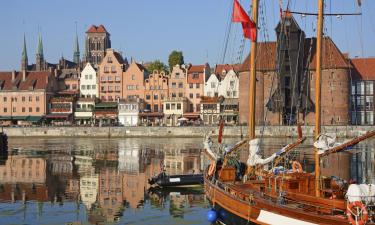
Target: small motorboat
[{"x": 164, "y": 180}]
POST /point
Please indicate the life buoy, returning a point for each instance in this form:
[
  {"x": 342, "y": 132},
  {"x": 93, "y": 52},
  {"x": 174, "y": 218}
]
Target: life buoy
[
  {"x": 297, "y": 167},
  {"x": 356, "y": 217},
  {"x": 211, "y": 169}
]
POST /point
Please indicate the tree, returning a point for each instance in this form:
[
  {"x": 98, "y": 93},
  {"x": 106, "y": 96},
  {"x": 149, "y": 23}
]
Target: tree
[
  {"x": 175, "y": 58},
  {"x": 157, "y": 65}
]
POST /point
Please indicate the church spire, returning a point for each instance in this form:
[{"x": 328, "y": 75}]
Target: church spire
[
  {"x": 76, "y": 54},
  {"x": 24, "y": 60},
  {"x": 40, "y": 65}
]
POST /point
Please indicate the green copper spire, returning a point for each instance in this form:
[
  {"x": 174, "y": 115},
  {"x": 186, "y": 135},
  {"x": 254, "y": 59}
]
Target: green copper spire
[
  {"x": 39, "y": 52},
  {"x": 76, "y": 50},
  {"x": 24, "y": 51}
]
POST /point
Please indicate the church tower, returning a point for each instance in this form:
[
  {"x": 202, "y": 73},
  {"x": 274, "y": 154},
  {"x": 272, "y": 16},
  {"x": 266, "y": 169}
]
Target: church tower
[
  {"x": 97, "y": 41},
  {"x": 24, "y": 59},
  {"x": 39, "y": 62},
  {"x": 76, "y": 54}
]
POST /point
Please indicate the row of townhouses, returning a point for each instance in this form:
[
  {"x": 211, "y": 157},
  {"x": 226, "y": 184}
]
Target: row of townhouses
[{"x": 103, "y": 88}]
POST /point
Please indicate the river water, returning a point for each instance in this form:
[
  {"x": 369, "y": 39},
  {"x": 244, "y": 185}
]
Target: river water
[{"x": 104, "y": 181}]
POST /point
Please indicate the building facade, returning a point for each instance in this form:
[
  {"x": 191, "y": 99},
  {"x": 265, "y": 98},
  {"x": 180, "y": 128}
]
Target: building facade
[
  {"x": 174, "y": 109},
  {"x": 196, "y": 77},
  {"x": 229, "y": 85},
  {"x": 156, "y": 90},
  {"x": 177, "y": 81},
  {"x": 97, "y": 42},
  {"x": 89, "y": 82},
  {"x": 128, "y": 111},
  {"x": 111, "y": 76},
  {"x": 134, "y": 81},
  {"x": 211, "y": 86}
]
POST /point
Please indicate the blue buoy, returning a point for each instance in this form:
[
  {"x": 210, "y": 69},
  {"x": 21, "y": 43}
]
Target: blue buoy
[{"x": 212, "y": 216}]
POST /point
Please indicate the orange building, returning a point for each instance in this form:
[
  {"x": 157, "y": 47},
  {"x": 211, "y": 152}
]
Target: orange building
[
  {"x": 111, "y": 76},
  {"x": 156, "y": 89},
  {"x": 196, "y": 76},
  {"x": 134, "y": 78}
]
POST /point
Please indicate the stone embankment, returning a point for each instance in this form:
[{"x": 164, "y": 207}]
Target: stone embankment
[{"x": 229, "y": 131}]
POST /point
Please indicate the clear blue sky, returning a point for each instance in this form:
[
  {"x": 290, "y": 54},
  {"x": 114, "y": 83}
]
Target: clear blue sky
[{"x": 148, "y": 30}]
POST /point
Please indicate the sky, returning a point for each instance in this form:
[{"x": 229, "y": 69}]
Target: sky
[{"x": 147, "y": 30}]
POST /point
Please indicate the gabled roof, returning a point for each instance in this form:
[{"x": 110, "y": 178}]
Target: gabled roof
[
  {"x": 332, "y": 58},
  {"x": 36, "y": 80},
  {"x": 141, "y": 67},
  {"x": 97, "y": 29},
  {"x": 197, "y": 68},
  {"x": 219, "y": 68},
  {"x": 364, "y": 68}
]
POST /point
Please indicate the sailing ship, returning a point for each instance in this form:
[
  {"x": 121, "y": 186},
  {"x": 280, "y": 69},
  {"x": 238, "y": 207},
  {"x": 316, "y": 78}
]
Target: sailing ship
[{"x": 285, "y": 196}]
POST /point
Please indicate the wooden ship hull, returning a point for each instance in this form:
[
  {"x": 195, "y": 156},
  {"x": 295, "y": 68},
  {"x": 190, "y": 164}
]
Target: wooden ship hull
[{"x": 249, "y": 202}]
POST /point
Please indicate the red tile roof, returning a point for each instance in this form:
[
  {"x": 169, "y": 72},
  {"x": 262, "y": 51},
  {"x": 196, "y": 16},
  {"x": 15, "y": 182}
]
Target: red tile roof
[
  {"x": 97, "y": 29},
  {"x": 364, "y": 68},
  {"x": 198, "y": 80},
  {"x": 197, "y": 68},
  {"x": 37, "y": 80},
  {"x": 267, "y": 52},
  {"x": 219, "y": 68}
]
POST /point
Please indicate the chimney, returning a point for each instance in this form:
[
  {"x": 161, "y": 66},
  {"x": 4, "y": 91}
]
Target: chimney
[
  {"x": 23, "y": 75},
  {"x": 13, "y": 75}
]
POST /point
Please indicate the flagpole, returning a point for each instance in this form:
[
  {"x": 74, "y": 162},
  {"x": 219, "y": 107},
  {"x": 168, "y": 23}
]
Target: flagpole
[{"x": 252, "y": 81}]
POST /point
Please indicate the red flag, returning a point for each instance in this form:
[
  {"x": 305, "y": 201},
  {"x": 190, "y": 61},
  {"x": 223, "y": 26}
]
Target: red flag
[{"x": 240, "y": 16}]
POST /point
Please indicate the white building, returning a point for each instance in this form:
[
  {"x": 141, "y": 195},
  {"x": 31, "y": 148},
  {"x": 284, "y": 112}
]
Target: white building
[
  {"x": 84, "y": 111},
  {"x": 174, "y": 109},
  {"x": 229, "y": 86},
  {"x": 128, "y": 111},
  {"x": 211, "y": 87},
  {"x": 89, "y": 186},
  {"x": 88, "y": 82}
]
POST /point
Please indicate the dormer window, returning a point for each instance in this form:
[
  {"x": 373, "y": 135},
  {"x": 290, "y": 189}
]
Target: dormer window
[{"x": 109, "y": 60}]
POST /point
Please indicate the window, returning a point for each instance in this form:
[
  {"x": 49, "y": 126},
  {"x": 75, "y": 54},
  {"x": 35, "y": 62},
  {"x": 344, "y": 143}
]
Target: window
[
  {"x": 117, "y": 88},
  {"x": 90, "y": 76},
  {"x": 74, "y": 86},
  {"x": 197, "y": 95},
  {"x": 113, "y": 69},
  {"x": 360, "y": 88},
  {"x": 23, "y": 98},
  {"x": 23, "y": 109},
  {"x": 370, "y": 118},
  {"x": 37, "y": 109},
  {"x": 190, "y": 85},
  {"x": 198, "y": 107},
  {"x": 180, "y": 85},
  {"x": 369, "y": 87},
  {"x": 156, "y": 108},
  {"x": 110, "y": 88},
  {"x": 88, "y": 87},
  {"x": 36, "y": 98},
  {"x": 195, "y": 75},
  {"x": 117, "y": 78},
  {"x": 86, "y": 77},
  {"x": 173, "y": 106},
  {"x": 197, "y": 85},
  {"x": 30, "y": 98},
  {"x": 177, "y": 75},
  {"x": 102, "y": 79},
  {"x": 110, "y": 78},
  {"x": 83, "y": 87},
  {"x": 155, "y": 97},
  {"x": 14, "y": 99},
  {"x": 180, "y": 94},
  {"x": 167, "y": 106},
  {"x": 191, "y": 95},
  {"x": 173, "y": 85},
  {"x": 161, "y": 96},
  {"x": 5, "y": 110},
  {"x": 102, "y": 88},
  {"x": 234, "y": 93},
  {"x": 173, "y": 95},
  {"x": 14, "y": 109},
  {"x": 5, "y": 99},
  {"x": 369, "y": 103},
  {"x": 93, "y": 86},
  {"x": 109, "y": 59},
  {"x": 360, "y": 103},
  {"x": 231, "y": 83},
  {"x": 133, "y": 77},
  {"x": 213, "y": 85},
  {"x": 148, "y": 97},
  {"x": 106, "y": 70},
  {"x": 228, "y": 93},
  {"x": 178, "y": 105}
]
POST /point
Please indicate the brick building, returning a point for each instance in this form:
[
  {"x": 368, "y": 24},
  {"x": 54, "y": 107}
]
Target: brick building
[
  {"x": 97, "y": 42},
  {"x": 285, "y": 85},
  {"x": 134, "y": 78},
  {"x": 177, "y": 81}
]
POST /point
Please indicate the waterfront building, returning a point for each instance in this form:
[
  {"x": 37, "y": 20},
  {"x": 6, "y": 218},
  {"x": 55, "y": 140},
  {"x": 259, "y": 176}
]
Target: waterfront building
[
  {"x": 211, "y": 86},
  {"x": 83, "y": 114},
  {"x": 285, "y": 86},
  {"x": 24, "y": 96},
  {"x": 196, "y": 77},
  {"x": 210, "y": 110},
  {"x": 61, "y": 108},
  {"x": 110, "y": 74},
  {"x": 68, "y": 81},
  {"x": 362, "y": 91},
  {"x": 177, "y": 81},
  {"x": 89, "y": 82},
  {"x": 106, "y": 113},
  {"x": 221, "y": 70},
  {"x": 128, "y": 111},
  {"x": 156, "y": 90},
  {"x": 174, "y": 110},
  {"x": 133, "y": 81},
  {"x": 97, "y": 42},
  {"x": 229, "y": 85}
]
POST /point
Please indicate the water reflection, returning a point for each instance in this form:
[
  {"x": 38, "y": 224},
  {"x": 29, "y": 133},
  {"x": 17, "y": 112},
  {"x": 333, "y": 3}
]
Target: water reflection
[
  {"x": 104, "y": 181},
  {"x": 97, "y": 181}
]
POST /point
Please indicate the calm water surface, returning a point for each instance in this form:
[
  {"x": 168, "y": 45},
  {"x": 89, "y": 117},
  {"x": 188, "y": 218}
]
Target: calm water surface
[{"x": 104, "y": 181}]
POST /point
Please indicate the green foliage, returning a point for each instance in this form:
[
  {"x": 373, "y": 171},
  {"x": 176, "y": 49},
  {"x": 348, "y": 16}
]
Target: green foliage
[
  {"x": 175, "y": 58},
  {"x": 157, "y": 65}
]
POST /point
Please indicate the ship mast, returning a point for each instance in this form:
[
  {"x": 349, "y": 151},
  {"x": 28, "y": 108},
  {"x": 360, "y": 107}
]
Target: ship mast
[
  {"x": 252, "y": 82},
  {"x": 318, "y": 87}
]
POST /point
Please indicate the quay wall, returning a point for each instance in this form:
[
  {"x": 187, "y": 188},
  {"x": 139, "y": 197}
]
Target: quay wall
[{"x": 199, "y": 131}]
